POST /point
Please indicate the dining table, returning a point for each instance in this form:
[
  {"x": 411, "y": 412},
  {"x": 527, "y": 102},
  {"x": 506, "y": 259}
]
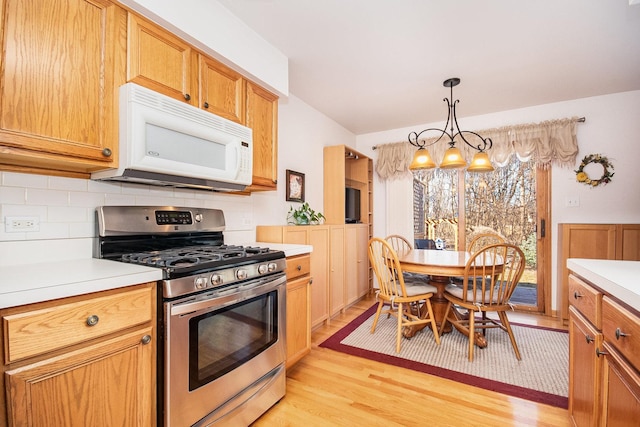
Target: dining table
[{"x": 440, "y": 266}]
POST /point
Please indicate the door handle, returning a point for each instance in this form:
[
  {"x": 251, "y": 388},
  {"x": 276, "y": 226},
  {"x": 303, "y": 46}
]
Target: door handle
[{"x": 543, "y": 228}]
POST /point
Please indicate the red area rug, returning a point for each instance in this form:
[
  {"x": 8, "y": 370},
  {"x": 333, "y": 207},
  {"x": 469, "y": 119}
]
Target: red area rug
[{"x": 541, "y": 376}]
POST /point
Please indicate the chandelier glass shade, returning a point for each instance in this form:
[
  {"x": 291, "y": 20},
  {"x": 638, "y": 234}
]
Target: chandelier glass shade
[{"x": 453, "y": 158}]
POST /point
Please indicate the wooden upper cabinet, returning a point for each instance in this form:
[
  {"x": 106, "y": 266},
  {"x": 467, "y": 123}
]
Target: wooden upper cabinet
[
  {"x": 262, "y": 117},
  {"x": 161, "y": 61},
  {"x": 62, "y": 63},
  {"x": 221, "y": 90}
]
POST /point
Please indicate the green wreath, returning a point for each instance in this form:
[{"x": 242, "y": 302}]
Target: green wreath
[{"x": 581, "y": 175}]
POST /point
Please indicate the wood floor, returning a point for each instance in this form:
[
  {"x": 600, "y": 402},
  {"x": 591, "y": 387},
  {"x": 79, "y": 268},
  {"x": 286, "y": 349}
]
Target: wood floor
[{"x": 328, "y": 388}]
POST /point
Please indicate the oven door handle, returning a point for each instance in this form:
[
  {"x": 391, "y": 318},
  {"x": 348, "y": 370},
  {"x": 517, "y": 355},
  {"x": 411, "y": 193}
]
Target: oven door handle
[{"x": 217, "y": 301}]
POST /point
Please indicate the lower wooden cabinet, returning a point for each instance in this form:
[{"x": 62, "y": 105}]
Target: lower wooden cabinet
[
  {"x": 620, "y": 391},
  {"x": 104, "y": 375},
  {"x": 584, "y": 375},
  {"x": 604, "y": 378},
  {"x": 298, "y": 308},
  {"x": 339, "y": 263}
]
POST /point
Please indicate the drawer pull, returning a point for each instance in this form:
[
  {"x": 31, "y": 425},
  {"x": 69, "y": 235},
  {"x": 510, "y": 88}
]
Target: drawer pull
[
  {"x": 576, "y": 295},
  {"x": 590, "y": 339},
  {"x": 92, "y": 320},
  {"x": 146, "y": 339},
  {"x": 599, "y": 352},
  {"x": 299, "y": 267},
  {"x": 620, "y": 334}
]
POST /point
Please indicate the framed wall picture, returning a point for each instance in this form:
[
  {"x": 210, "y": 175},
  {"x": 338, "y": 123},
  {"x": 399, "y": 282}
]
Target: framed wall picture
[{"x": 295, "y": 186}]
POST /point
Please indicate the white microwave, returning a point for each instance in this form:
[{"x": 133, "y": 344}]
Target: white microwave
[{"x": 166, "y": 142}]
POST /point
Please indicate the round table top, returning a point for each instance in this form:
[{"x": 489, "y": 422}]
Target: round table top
[{"x": 434, "y": 262}]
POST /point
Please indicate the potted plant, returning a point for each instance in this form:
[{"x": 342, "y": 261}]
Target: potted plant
[{"x": 304, "y": 215}]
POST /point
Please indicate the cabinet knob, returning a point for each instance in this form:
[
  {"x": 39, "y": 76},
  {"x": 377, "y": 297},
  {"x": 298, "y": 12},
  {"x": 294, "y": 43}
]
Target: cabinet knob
[
  {"x": 92, "y": 320},
  {"x": 146, "y": 339},
  {"x": 106, "y": 152},
  {"x": 600, "y": 353},
  {"x": 187, "y": 97},
  {"x": 589, "y": 339},
  {"x": 576, "y": 295},
  {"x": 311, "y": 281},
  {"x": 206, "y": 105},
  {"x": 620, "y": 334},
  {"x": 299, "y": 267}
]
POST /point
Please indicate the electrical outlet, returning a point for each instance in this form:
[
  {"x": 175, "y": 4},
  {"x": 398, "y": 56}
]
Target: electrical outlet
[
  {"x": 572, "y": 201},
  {"x": 21, "y": 224}
]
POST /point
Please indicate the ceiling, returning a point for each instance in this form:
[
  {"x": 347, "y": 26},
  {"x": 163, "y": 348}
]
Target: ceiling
[{"x": 374, "y": 65}]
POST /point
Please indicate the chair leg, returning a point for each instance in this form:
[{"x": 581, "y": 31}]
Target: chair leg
[
  {"x": 472, "y": 332},
  {"x": 375, "y": 319},
  {"x": 505, "y": 322},
  {"x": 434, "y": 327},
  {"x": 399, "y": 329}
]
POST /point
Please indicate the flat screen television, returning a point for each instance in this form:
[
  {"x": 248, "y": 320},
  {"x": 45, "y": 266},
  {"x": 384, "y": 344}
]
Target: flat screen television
[{"x": 351, "y": 205}]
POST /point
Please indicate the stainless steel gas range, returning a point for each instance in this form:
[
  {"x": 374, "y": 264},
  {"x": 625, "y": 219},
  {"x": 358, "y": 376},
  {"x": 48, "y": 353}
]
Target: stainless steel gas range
[{"x": 221, "y": 328}]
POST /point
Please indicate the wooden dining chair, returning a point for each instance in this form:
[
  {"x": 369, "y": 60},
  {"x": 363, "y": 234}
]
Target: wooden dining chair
[
  {"x": 481, "y": 240},
  {"x": 401, "y": 244},
  {"x": 493, "y": 273},
  {"x": 393, "y": 293}
]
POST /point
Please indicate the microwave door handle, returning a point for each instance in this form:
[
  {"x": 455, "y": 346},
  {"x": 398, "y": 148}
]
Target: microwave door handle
[{"x": 238, "y": 160}]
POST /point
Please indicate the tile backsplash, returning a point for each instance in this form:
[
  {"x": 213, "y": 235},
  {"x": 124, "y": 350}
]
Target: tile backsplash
[{"x": 65, "y": 207}]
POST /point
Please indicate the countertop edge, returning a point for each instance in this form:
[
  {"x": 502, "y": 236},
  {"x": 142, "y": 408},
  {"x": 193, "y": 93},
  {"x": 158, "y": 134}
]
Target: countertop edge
[{"x": 620, "y": 279}]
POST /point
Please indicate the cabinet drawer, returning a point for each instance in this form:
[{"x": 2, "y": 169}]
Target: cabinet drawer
[
  {"x": 621, "y": 328},
  {"x": 39, "y": 331},
  {"x": 586, "y": 299},
  {"x": 298, "y": 266}
]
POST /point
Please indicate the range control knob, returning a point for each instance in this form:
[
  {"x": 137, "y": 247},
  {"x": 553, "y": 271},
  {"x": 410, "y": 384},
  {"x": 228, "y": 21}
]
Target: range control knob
[
  {"x": 241, "y": 274},
  {"x": 273, "y": 266},
  {"x": 262, "y": 268},
  {"x": 198, "y": 217},
  {"x": 200, "y": 282},
  {"x": 216, "y": 279}
]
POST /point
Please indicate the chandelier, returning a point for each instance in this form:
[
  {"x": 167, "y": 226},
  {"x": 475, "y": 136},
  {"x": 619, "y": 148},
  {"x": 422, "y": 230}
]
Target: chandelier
[{"x": 452, "y": 157}]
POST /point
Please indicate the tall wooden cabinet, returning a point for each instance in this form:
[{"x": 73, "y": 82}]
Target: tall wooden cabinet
[
  {"x": 593, "y": 241},
  {"x": 62, "y": 63},
  {"x": 81, "y": 361}
]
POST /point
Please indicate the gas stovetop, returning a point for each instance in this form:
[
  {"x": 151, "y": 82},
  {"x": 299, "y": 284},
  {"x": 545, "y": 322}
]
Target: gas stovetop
[{"x": 186, "y": 243}]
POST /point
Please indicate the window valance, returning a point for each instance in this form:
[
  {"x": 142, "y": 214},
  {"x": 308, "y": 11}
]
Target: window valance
[{"x": 545, "y": 143}]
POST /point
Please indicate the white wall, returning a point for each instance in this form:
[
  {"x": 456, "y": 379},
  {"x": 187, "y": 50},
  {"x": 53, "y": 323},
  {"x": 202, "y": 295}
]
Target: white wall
[{"x": 611, "y": 129}]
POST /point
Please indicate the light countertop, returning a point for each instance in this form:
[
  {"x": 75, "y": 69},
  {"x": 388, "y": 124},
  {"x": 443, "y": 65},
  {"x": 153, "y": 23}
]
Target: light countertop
[
  {"x": 620, "y": 279},
  {"x": 51, "y": 275}
]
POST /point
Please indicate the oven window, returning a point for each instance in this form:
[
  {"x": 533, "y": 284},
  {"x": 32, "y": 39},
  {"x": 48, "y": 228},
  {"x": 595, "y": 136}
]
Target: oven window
[{"x": 222, "y": 340}]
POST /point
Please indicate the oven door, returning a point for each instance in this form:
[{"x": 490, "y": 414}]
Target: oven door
[{"x": 224, "y": 345}]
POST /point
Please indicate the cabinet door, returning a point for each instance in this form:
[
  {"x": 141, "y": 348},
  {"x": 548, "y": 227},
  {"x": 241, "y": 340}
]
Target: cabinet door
[
  {"x": 107, "y": 384},
  {"x": 337, "y": 270},
  {"x": 628, "y": 242},
  {"x": 351, "y": 259},
  {"x": 262, "y": 118},
  {"x": 221, "y": 90},
  {"x": 161, "y": 61},
  {"x": 621, "y": 391},
  {"x": 584, "y": 375},
  {"x": 298, "y": 319},
  {"x": 593, "y": 241},
  {"x": 362, "y": 243},
  {"x": 318, "y": 237},
  {"x": 60, "y": 66}
]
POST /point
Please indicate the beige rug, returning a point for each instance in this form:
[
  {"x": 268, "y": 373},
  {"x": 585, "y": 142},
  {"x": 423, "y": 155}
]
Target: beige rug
[{"x": 541, "y": 376}]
